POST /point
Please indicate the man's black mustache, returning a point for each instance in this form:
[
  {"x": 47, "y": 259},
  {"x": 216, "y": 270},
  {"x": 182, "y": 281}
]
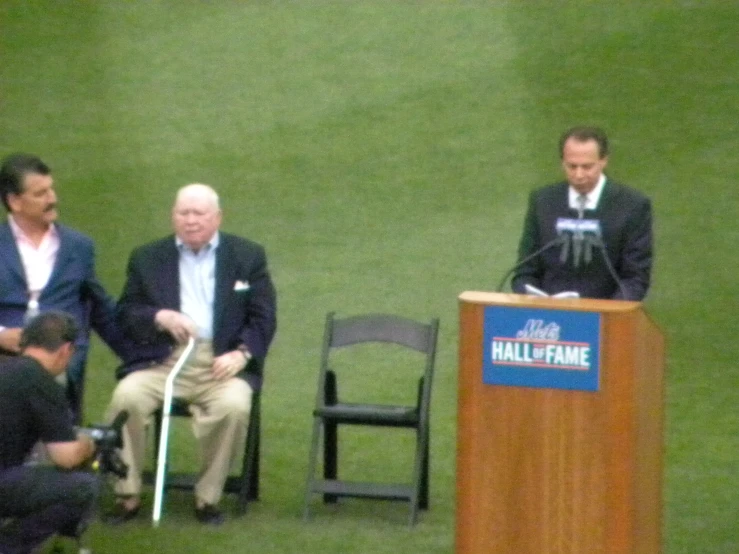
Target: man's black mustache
[{"x": 50, "y": 207}]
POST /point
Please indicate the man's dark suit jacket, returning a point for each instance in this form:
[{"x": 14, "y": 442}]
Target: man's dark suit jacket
[
  {"x": 240, "y": 317},
  {"x": 72, "y": 287},
  {"x": 625, "y": 216}
]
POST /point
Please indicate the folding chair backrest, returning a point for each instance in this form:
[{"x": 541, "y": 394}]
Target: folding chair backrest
[
  {"x": 380, "y": 328},
  {"x": 376, "y": 329}
]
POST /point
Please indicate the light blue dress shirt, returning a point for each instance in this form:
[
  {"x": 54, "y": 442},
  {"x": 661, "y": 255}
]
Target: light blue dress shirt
[{"x": 197, "y": 284}]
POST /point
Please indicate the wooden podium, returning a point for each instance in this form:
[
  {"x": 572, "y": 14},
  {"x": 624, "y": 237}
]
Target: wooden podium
[{"x": 555, "y": 471}]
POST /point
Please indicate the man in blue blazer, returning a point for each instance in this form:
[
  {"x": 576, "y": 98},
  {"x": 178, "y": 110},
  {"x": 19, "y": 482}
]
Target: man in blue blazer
[
  {"x": 622, "y": 216},
  {"x": 45, "y": 265},
  {"x": 216, "y": 288}
]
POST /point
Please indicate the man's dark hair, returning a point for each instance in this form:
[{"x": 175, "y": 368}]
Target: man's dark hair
[
  {"x": 49, "y": 330},
  {"x": 583, "y": 134},
  {"x": 14, "y": 168}
]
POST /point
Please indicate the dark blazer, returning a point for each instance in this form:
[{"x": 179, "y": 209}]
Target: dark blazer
[
  {"x": 240, "y": 317},
  {"x": 625, "y": 216},
  {"x": 73, "y": 287}
]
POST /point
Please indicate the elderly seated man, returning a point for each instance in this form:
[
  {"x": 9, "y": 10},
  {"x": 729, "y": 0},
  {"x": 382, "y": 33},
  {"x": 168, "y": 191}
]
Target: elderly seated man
[{"x": 214, "y": 287}]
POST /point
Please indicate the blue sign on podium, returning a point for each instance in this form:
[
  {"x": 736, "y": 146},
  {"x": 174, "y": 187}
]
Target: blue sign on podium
[{"x": 556, "y": 349}]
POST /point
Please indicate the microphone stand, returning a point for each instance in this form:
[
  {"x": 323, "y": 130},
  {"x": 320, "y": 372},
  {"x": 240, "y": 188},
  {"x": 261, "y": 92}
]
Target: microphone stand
[
  {"x": 561, "y": 239},
  {"x": 600, "y": 245}
]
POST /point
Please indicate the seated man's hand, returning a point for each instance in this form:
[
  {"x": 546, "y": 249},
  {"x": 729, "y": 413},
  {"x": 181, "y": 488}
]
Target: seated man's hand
[
  {"x": 10, "y": 339},
  {"x": 229, "y": 364},
  {"x": 176, "y": 324}
]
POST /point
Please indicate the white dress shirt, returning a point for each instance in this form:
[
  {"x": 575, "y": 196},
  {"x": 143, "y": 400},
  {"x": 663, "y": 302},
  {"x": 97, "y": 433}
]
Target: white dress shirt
[
  {"x": 592, "y": 198},
  {"x": 38, "y": 261}
]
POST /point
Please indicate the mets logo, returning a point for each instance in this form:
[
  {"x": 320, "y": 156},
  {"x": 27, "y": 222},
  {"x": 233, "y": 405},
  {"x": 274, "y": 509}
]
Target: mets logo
[{"x": 538, "y": 345}]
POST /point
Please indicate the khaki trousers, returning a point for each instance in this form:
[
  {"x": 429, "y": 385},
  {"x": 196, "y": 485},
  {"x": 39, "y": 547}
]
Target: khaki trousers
[{"x": 220, "y": 413}]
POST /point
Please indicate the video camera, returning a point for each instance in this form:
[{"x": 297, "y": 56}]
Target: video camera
[{"x": 108, "y": 441}]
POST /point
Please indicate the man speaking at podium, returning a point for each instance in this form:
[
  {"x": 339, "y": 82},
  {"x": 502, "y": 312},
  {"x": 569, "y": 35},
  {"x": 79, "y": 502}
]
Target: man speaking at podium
[{"x": 588, "y": 234}]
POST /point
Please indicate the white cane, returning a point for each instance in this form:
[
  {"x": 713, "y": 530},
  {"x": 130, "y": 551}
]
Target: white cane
[{"x": 164, "y": 435}]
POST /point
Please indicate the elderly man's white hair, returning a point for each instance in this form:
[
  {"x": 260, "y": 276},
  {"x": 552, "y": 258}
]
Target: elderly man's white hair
[{"x": 198, "y": 190}]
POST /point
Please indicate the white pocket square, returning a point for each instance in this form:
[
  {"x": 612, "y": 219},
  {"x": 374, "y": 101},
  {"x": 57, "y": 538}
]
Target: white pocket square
[{"x": 241, "y": 286}]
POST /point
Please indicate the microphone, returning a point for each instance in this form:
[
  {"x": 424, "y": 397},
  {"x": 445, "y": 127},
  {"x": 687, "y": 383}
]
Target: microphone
[
  {"x": 586, "y": 234},
  {"x": 577, "y": 243},
  {"x": 578, "y": 232},
  {"x": 560, "y": 240}
]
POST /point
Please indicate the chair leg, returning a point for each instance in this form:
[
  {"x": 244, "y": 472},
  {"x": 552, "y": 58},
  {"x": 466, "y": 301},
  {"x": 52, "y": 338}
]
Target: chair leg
[
  {"x": 419, "y": 498},
  {"x": 312, "y": 466},
  {"x": 249, "y": 489},
  {"x": 157, "y": 433},
  {"x": 254, "y": 470},
  {"x": 330, "y": 457},
  {"x": 423, "y": 501},
  {"x": 330, "y": 438}
]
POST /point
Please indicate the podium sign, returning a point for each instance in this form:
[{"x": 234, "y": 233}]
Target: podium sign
[{"x": 555, "y": 349}]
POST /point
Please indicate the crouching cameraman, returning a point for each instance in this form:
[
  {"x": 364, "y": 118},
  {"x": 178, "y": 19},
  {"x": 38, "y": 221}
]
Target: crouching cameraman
[{"x": 38, "y": 501}]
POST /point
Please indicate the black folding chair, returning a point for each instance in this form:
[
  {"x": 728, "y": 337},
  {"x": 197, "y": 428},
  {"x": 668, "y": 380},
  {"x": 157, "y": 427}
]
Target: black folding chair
[{"x": 329, "y": 412}]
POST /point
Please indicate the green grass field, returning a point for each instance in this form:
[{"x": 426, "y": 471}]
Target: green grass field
[{"x": 383, "y": 152}]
